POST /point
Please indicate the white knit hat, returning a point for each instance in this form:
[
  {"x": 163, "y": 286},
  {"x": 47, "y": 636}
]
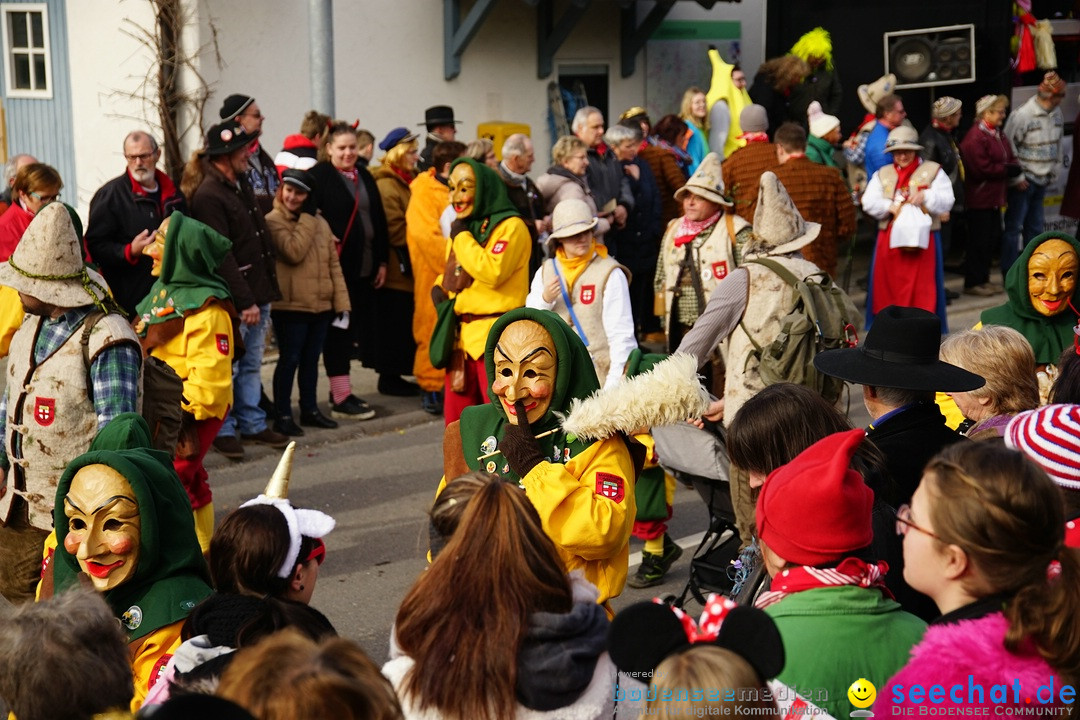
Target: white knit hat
[
  {"x": 821, "y": 124},
  {"x": 1050, "y": 436}
]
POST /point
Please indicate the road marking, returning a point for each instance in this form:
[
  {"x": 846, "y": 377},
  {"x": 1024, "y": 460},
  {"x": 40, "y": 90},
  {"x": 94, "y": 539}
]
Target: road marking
[{"x": 686, "y": 543}]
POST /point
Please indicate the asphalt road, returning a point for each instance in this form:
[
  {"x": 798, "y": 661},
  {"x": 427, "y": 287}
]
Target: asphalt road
[{"x": 379, "y": 487}]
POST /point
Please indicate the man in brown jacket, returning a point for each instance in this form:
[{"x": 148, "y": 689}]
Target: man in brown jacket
[
  {"x": 223, "y": 199},
  {"x": 819, "y": 194},
  {"x": 742, "y": 169}
]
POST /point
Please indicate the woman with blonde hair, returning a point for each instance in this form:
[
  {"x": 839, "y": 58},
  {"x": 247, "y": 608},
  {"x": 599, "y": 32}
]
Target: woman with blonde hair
[
  {"x": 482, "y": 150},
  {"x": 566, "y": 179},
  {"x": 540, "y": 650},
  {"x": 694, "y": 111},
  {"x": 984, "y": 537},
  {"x": 392, "y": 354},
  {"x": 1003, "y": 357}
]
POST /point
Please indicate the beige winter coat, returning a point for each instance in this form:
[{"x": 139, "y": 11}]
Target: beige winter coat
[{"x": 307, "y": 263}]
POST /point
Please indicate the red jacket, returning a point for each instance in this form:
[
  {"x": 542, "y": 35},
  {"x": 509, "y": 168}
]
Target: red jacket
[
  {"x": 985, "y": 154},
  {"x": 13, "y": 224}
]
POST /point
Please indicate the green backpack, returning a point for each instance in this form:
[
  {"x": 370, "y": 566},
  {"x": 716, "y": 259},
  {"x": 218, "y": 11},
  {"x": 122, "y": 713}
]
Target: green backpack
[{"x": 822, "y": 317}]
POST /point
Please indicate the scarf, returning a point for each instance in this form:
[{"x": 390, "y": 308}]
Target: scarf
[
  {"x": 491, "y": 204},
  {"x": 189, "y": 272},
  {"x": 903, "y": 175},
  {"x": 405, "y": 175},
  {"x": 851, "y": 571},
  {"x": 753, "y": 137},
  {"x": 690, "y": 229},
  {"x": 573, "y": 267}
]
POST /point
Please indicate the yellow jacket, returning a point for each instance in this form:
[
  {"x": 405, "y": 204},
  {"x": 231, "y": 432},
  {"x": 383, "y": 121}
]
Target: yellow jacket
[
  {"x": 11, "y": 316},
  {"x": 202, "y": 356},
  {"x": 427, "y": 250},
  {"x": 500, "y": 271},
  {"x": 149, "y": 657},
  {"x": 590, "y": 531}
]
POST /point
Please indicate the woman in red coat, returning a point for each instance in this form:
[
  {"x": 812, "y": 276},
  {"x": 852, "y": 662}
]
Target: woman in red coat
[{"x": 987, "y": 158}]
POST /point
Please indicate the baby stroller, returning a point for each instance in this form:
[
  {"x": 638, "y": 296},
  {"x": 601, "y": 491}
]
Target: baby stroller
[{"x": 698, "y": 457}]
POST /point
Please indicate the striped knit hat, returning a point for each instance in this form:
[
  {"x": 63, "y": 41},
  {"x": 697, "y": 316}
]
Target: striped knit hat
[{"x": 1050, "y": 436}]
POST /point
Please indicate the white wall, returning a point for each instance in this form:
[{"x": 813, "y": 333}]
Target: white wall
[
  {"x": 388, "y": 58},
  {"x": 106, "y": 67}
]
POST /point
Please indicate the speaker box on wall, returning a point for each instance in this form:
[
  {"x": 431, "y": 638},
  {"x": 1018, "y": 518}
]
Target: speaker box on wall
[{"x": 931, "y": 56}]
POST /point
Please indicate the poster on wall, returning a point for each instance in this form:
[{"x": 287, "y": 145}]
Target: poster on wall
[{"x": 676, "y": 57}]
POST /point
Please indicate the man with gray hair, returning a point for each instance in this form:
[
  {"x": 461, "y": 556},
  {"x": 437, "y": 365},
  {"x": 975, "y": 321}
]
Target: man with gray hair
[
  {"x": 517, "y": 160},
  {"x": 11, "y": 167},
  {"x": 610, "y": 188},
  {"x": 124, "y": 213}
]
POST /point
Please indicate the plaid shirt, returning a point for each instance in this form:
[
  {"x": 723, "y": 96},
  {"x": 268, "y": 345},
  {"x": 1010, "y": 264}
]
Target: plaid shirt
[{"x": 114, "y": 373}]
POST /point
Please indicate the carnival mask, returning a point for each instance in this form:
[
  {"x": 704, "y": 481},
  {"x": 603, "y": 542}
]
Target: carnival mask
[
  {"x": 103, "y": 526},
  {"x": 462, "y": 184},
  {"x": 1052, "y": 276},
  {"x": 156, "y": 250},
  {"x": 525, "y": 366}
]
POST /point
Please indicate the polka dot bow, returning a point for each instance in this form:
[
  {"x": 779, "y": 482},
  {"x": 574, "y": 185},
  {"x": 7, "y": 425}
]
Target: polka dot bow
[{"x": 712, "y": 617}]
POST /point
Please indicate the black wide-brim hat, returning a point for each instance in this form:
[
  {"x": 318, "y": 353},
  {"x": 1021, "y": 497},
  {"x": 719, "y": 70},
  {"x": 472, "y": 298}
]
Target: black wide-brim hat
[
  {"x": 899, "y": 351},
  {"x": 437, "y": 115}
]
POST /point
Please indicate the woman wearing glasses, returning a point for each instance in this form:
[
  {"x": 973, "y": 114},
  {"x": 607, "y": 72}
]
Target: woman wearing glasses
[
  {"x": 984, "y": 537},
  {"x": 36, "y": 185}
]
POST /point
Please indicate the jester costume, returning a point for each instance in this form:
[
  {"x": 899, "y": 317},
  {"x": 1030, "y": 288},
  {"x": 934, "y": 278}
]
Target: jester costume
[
  {"x": 583, "y": 491},
  {"x": 171, "y": 576}
]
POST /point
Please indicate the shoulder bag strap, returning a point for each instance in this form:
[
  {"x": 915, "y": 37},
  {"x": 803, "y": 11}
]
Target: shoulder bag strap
[{"x": 569, "y": 304}]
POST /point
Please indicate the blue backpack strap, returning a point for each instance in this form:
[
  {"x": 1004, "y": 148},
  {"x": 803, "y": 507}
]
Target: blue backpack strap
[{"x": 569, "y": 305}]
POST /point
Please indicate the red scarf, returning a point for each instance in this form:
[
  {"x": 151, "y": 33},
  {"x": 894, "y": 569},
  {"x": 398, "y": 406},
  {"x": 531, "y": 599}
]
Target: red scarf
[
  {"x": 903, "y": 175},
  {"x": 405, "y": 175},
  {"x": 851, "y": 571},
  {"x": 690, "y": 229},
  {"x": 753, "y": 137}
]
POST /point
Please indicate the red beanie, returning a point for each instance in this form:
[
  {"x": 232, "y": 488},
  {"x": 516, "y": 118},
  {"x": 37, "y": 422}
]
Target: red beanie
[{"x": 816, "y": 510}]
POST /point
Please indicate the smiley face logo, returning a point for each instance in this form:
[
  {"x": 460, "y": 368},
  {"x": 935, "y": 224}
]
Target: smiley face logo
[{"x": 862, "y": 693}]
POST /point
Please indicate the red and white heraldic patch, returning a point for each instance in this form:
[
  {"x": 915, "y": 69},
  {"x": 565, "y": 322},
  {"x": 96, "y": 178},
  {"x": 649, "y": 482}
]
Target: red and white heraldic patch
[
  {"x": 498, "y": 247},
  {"x": 588, "y": 294},
  {"x": 222, "y": 343},
  {"x": 44, "y": 411},
  {"x": 610, "y": 486},
  {"x": 719, "y": 269}
]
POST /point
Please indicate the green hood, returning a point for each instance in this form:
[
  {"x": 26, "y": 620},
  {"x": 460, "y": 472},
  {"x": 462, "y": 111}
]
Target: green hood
[
  {"x": 492, "y": 204},
  {"x": 189, "y": 271},
  {"x": 1048, "y": 336},
  {"x": 575, "y": 377},
  {"x": 171, "y": 577}
]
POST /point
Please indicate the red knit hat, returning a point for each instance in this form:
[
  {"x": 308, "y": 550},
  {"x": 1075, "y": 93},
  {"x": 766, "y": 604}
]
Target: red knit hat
[{"x": 816, "y": 510}]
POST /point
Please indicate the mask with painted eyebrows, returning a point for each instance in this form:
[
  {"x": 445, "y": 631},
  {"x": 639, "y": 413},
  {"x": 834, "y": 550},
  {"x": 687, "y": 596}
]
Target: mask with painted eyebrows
[
  {"x": 104, "y": 528},
  {"x": 525, "y": 366},
  {"x": 1052, "y": 272}
]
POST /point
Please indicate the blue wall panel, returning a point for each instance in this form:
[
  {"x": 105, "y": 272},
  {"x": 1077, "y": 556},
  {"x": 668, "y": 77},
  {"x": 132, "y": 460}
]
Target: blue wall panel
[{"x": 44, "y": 128}]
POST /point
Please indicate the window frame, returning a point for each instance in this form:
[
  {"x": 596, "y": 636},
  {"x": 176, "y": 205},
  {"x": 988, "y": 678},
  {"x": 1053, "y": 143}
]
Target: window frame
[{"x": 6, "y": 8}]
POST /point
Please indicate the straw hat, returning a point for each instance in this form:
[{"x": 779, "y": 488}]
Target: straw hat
[
  {"x": 706, "y": 182},
  {"x": 48, "y": 263},
  {"x": 902, "y": 137},
  {"x": 778, "y": 227},
  {"x": 869, "y": 95}
]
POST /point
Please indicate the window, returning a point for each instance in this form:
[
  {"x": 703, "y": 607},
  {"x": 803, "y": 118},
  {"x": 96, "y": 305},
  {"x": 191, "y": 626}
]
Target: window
[{"x": 27, "y": 69}]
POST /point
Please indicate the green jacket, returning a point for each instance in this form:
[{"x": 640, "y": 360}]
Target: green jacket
[
  {"x": 835, "y": 635},
  {"x": 819, "y": 151}
]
